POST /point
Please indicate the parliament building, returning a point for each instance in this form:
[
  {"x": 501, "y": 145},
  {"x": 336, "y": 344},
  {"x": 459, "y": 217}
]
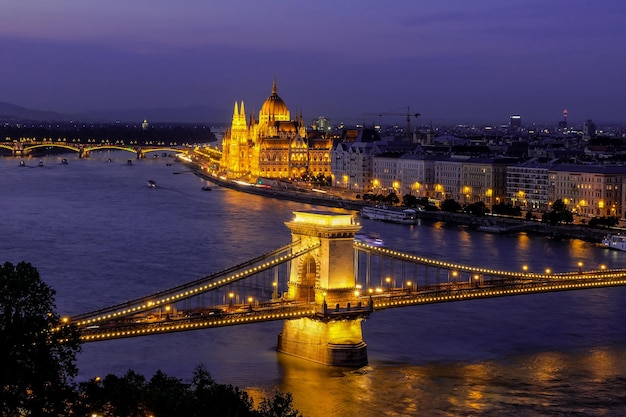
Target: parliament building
[{"x": 273, "y": 145}]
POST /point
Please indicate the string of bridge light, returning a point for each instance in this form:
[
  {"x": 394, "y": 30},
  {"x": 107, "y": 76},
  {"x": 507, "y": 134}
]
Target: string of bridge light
[
  {"x": 197, "y": 325},
  {"x": 485, "y": 293},
  {"x": 473, "y": 269},
  {"x": 195, "y": 291}
]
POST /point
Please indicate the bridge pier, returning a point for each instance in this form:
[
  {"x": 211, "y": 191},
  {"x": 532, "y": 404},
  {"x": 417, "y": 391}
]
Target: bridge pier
[
  {"x": 323, "y": 277},
  {"x": 335, "y": 342}
]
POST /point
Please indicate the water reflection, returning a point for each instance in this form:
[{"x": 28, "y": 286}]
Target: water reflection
[{"x": 547, "y": 383}]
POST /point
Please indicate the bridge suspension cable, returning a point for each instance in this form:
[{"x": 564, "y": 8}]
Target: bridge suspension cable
[{"x": 194, "y": 288}]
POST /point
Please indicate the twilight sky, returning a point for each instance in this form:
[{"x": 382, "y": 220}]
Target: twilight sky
[{"x": 455, "y": 61}]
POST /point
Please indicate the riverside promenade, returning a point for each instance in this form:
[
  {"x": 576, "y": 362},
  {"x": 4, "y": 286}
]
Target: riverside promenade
[
  {"x": 564, "y": 231},
  {"x": 306, "y": 197}
]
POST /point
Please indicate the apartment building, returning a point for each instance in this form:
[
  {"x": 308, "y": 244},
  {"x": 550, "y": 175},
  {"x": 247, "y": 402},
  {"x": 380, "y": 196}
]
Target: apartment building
[
  {"x": 528, "y": 186},
  {"x": 589, "y": 190}
]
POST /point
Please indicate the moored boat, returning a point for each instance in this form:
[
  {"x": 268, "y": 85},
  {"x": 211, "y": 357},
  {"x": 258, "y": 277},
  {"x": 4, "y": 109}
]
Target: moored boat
[
  {"x": 617, "y": 241},
  {"x": 151, "y": 184},
  {"x": 390, "y": 214},
  {"x": 206, "y": 188}
]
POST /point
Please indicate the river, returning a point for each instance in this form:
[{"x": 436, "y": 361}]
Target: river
[{"x": 99, "y": 235}]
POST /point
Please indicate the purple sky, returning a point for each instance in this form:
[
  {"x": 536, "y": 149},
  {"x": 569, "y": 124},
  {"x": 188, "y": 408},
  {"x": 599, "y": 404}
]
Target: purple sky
[{"x": 450, "y": 60}]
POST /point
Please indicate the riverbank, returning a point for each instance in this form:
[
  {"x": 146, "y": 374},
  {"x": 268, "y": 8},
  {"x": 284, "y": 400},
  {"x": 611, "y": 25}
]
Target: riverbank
[
  {"x": 291, "y": 195},
  {"x": 499, "y": 224}
]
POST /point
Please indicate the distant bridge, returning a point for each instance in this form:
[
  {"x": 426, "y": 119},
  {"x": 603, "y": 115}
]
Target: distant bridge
[{"x": 24, "y": 148}]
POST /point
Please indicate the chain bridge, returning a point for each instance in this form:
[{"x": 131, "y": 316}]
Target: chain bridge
[{"x": 322, "y": 286}]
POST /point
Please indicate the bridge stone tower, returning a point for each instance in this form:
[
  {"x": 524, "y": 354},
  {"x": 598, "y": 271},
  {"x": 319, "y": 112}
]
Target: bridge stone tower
[{"x": 325, "y": 277}]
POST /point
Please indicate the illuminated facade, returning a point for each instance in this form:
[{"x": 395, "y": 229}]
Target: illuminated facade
[
  {"x": 461, "y": 178},
  {"x": 589, "y": 190},
  {"x": 528, "y": 186},
  {"x": 272, "y": 146}
]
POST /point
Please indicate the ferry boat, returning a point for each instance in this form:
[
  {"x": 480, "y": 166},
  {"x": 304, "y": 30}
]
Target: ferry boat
[
  {"x": 389, "y": 214},
  {"x": 617, "y": 241}
]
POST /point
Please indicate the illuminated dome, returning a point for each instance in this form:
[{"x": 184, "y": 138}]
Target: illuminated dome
[{"x": 274, "y": 107}]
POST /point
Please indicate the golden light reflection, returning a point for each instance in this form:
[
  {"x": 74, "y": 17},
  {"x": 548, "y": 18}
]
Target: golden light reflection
[
  {"x": 547, "y": 366},
  {"x": 603, "y": 365}
]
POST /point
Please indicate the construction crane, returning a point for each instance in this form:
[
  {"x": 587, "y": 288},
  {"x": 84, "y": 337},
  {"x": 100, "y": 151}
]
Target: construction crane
[{"x": 408, "y": 118}]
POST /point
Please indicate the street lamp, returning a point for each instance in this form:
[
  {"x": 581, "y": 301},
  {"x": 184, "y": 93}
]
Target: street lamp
[
  {"x": 274, "y": 290},
  {"x": 409, "y": 284},
  {"x": 250, "y": 299},
  {"x": 231, "y": 295},
  {"x": 388, "y": 281},
  {"x": 580, "y": 267}
]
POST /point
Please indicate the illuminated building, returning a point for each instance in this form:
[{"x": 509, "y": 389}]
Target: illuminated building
[
  {"x": 589, "y": 190},
  {"x": 274, "y": 145},
  {"x": 440, "y": 177},
  {"x": 352, "y": 159},
  {"x": 528, "y": 185}
]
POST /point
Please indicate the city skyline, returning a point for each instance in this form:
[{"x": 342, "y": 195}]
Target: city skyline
[{"x": 451, "y": 62}]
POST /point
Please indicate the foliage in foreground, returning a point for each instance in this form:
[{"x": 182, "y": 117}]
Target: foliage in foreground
[
  {"x": 164, "y": 396},
  {"x": 39, "y": 363},
  {"x": 38, "y": 355}
]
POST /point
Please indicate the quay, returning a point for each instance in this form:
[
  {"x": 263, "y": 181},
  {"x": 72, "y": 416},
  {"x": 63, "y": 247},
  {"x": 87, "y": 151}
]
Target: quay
[{"x": 508, "y": 224}]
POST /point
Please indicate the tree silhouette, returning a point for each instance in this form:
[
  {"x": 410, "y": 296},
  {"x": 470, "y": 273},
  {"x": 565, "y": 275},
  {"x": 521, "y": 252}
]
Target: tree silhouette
[{"x": 38, "y": 353}]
